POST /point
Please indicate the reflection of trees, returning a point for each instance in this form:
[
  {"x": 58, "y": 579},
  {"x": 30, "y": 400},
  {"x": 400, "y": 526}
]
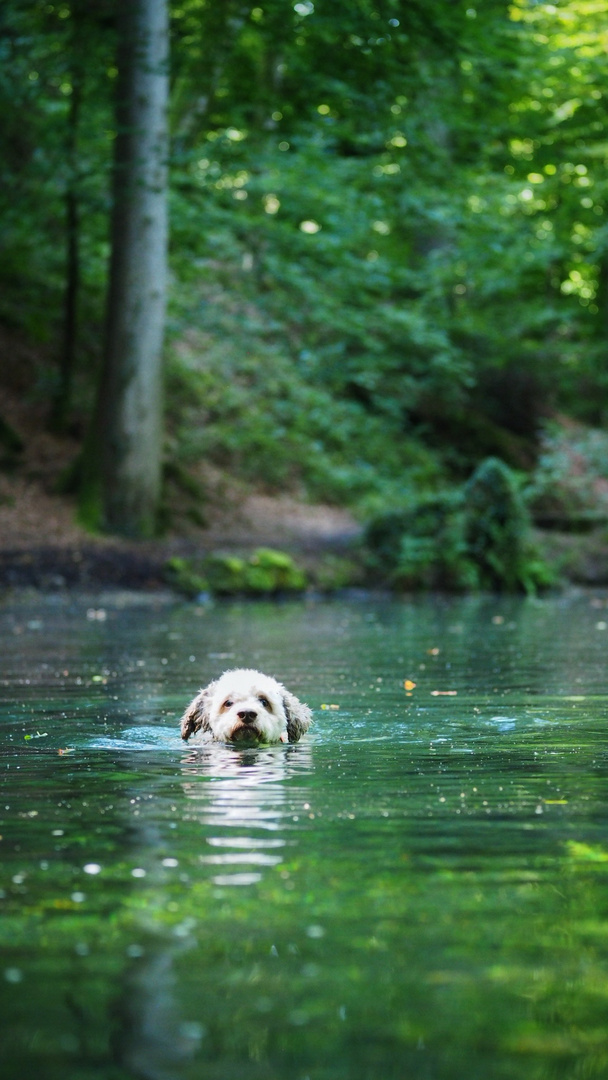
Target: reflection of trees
[{"x": 153, "y": 1041}]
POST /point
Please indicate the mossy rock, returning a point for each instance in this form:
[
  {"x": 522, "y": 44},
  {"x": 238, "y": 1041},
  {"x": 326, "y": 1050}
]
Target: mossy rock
[
  {"x": 265, "y": 573},
  {"x": 270, "y": 571},
  {"x": 182, "y": 576}
]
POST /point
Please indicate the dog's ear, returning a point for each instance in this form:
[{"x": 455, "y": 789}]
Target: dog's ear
[
  {"x": 196, "y": 716},
  {"x": 298, "y": 715}
]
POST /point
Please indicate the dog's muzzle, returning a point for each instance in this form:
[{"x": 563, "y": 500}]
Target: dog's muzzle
[{"x": 245, "y": 730}]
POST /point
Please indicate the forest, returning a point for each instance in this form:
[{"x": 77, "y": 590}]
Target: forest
[{"x": 386, "y": 270}]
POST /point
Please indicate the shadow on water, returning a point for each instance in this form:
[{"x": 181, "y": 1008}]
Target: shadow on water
[{"x": 418, "y": 888}]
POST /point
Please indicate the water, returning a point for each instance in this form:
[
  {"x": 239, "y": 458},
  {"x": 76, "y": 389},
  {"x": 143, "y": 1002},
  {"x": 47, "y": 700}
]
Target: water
[{"x": 418, "y": 889}]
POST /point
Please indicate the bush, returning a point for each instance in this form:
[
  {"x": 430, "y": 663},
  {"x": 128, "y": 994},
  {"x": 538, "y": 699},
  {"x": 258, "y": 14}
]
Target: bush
[
  {"x": 497, "y": 531},
  {"x": 421, "y": 545},
  {"x": 475, "y": 537}
]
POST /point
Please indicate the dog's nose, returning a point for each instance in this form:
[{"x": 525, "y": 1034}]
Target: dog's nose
[{"x": 248, "y": 716}]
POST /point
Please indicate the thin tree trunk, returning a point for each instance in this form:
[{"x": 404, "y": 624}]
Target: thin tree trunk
[
  {"x": 122, "y": 460},
  {"x": 63, "y": 395}
]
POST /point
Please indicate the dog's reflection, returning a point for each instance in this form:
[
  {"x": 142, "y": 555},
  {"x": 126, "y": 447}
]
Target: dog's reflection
[
  {"x": 248, "y": 801},
  {"x": 252, "y": 765}
]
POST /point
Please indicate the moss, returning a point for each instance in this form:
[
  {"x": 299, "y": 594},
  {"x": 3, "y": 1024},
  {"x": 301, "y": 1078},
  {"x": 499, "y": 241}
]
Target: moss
[
  {"x": 180, "y": 574},
  {"x": 273, "y": 571},
  {"x": 265, "y": 573},
  {"x": 225, "y": 574},
  {"x": 497, "y": 531}
]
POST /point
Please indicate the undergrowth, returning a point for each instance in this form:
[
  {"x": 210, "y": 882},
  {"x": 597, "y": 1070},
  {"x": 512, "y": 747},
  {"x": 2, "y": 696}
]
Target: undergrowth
[{"x": 241, "y": 399}]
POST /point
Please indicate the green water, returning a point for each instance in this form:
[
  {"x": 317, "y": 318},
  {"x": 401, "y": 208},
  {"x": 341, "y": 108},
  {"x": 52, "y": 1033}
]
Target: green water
[{"x": 418, "y": 889}]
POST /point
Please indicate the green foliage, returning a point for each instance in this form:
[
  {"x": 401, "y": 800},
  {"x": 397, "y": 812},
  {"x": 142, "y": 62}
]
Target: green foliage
[
  {"x": 399, "y": 299},
  {"x": 497, "y": 531},
  {"x": 265, "y": 573},
  {"x": 384, "y": 219},
  {"x": 473, "y": 537},
  {"x": 269, "y": 571},
  {"x": 243, "y": 404},
  {"x": 50, "y": 55},
  {"x": 181, "y": 576},
  {"x": 422, "y": 545}
]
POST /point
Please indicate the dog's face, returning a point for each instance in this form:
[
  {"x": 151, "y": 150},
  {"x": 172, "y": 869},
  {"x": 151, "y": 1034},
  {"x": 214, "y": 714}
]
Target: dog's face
[{"x": 244, "y": 706}]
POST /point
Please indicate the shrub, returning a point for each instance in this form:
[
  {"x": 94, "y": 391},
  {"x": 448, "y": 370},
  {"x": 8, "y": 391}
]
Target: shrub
[
  {"x": 474, "y": 537},
  {"x": 497, "y": 531},
  {"x": 421, "y": 545}
]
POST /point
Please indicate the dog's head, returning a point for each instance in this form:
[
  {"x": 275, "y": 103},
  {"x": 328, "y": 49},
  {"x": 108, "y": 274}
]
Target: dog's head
[{"x": 244, "y": 706}]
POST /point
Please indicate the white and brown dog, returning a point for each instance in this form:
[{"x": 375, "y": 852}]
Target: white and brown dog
[{"x": 244, "y": 706}]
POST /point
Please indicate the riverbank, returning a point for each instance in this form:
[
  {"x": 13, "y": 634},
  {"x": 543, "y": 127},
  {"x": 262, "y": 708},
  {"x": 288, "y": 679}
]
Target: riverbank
[{"x": 43, "y": 546}]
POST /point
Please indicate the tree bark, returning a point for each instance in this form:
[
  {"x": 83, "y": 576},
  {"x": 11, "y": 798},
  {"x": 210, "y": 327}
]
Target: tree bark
[{"x": 122, "y": 460}]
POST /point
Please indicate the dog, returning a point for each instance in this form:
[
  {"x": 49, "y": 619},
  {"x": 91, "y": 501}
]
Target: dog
[{"x": 245, "y": 706}]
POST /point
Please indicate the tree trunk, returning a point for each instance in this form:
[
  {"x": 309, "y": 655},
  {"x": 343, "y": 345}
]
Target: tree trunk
[
  {"x": 121, "y": 474},
  {"x": 63, "y": 395}
]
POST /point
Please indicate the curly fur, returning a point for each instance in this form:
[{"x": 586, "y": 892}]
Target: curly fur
[{"x": 246, "y": 706}]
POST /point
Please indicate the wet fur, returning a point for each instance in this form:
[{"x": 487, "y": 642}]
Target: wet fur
[{"x": 218, "y": 710}]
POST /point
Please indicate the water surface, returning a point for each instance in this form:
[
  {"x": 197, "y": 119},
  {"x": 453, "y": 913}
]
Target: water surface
[{"x": 418, "y": 889}]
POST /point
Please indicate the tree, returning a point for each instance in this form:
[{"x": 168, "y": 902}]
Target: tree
[
  {"x": 122, "y": 458},
  {"x": 389, "y": 236},
  {"x": 67, "y": 360}
]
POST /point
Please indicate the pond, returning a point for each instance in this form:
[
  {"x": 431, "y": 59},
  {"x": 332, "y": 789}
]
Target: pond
[{"x": 417, "y": 889}]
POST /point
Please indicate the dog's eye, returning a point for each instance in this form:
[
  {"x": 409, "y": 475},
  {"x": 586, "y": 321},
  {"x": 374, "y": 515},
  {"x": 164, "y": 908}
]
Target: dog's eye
[
  {"x": 227, "y": 704},
  {"x": 264, "y": 701}
]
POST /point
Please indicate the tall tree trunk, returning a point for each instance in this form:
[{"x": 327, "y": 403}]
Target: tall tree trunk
[
  {"x": 63, "y": 395},
  {"x": 120, "y": 487}
]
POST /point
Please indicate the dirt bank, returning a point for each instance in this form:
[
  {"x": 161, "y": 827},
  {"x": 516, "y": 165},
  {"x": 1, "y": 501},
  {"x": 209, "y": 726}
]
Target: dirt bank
[{"x": 42, "y": 544}]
